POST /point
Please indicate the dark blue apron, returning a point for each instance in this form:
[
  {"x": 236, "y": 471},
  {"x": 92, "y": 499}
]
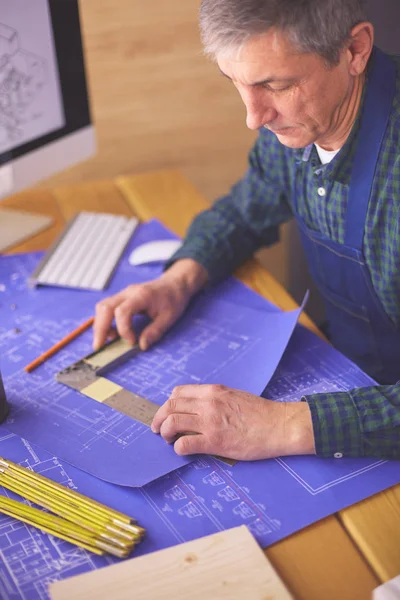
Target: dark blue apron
[{"x": 358, "y": 324}]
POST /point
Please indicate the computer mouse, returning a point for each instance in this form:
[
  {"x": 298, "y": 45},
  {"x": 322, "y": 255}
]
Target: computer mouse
[{"x": 155, "y": 251}]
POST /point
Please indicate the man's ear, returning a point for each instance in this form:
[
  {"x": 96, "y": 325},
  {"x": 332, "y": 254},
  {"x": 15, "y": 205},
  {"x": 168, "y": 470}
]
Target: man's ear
[{"x": 360, "y": 47}]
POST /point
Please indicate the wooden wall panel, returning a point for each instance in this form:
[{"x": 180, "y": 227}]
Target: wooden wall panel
[{"x": 157, "y": 102}]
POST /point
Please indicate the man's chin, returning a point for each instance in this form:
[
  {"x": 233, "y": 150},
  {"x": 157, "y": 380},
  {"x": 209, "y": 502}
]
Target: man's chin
[{"x": 293, "y": 137}]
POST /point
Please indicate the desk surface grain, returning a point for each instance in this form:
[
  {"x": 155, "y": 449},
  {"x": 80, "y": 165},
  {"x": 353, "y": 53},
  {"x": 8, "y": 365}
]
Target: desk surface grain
[{"x": 342, "y": 557}]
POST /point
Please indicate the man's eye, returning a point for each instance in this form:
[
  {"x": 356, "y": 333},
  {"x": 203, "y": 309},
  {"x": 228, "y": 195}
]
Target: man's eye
[{"x": 276, "y": 90}]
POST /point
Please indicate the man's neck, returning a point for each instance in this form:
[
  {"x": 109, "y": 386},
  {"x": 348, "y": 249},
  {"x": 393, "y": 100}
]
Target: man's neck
[{"x": 345, "y": 119}]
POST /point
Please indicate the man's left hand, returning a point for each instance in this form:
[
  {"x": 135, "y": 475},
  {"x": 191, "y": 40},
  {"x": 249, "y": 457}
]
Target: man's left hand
[{"x": 214, "y": 419}]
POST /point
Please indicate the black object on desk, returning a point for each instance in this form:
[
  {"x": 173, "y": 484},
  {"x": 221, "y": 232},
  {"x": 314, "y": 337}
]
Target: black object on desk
[{"x": 4, "y": 407}]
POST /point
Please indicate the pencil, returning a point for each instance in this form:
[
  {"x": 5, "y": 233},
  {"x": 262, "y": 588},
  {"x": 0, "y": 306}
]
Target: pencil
[{"x": 61, "y": 344}]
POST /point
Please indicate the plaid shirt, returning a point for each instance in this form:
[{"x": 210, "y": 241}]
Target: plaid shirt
[{"x": 364, "y": 421}]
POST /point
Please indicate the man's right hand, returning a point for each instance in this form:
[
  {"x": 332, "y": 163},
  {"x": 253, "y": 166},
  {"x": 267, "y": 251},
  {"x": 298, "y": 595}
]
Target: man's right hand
[{"x": 163, "y": 300}]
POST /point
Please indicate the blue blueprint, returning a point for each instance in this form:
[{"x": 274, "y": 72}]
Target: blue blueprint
[
  {"x": 273, "y": 498},
  {"x": 218, "y": 340}
]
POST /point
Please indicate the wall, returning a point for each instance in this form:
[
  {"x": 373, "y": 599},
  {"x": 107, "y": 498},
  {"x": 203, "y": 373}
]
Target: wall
[{"x": 157, "y": 102}]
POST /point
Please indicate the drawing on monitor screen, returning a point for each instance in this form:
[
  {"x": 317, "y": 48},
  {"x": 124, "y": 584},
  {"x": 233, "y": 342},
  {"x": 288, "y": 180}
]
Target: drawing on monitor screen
[
  {"x": 22, "y": 76},
  {"x": 30, "y": 98}
]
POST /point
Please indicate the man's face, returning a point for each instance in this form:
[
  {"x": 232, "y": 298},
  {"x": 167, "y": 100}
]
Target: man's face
[{"x": 296, "y": 96}]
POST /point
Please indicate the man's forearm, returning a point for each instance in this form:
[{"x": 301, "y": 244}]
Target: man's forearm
[
  {"x": 188, "y": 274},
  {"x": 298, "y": 435}
]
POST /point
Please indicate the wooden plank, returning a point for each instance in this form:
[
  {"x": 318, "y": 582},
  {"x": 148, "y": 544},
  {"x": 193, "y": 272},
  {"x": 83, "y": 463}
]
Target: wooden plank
[
  {"x": 228, "y": 564},
  {"x": 95, "y": 196},
  {"x": 322, "y": 563},
  {"x": 374, "y": 525},
  {"x": 41, "y": 202},
  {"x": 171, "y": 198}
]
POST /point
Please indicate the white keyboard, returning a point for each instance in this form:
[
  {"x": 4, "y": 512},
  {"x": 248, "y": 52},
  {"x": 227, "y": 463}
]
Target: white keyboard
[{"x": 86, "y": 253}]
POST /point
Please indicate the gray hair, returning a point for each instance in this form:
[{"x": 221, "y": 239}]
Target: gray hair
[{"x": 312, "y": 26}]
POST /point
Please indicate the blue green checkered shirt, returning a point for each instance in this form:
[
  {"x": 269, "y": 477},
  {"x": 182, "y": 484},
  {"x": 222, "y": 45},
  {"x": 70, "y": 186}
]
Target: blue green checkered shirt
[{"x": 363, "y": 421}]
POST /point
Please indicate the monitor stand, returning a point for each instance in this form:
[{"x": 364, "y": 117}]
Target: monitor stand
[{"x": 18, "y": 225}]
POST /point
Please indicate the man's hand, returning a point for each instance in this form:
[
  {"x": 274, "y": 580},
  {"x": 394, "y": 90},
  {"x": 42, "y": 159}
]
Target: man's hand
[
  {"x": 163, "y": 300},
  {"x": 233, "y": 424}
]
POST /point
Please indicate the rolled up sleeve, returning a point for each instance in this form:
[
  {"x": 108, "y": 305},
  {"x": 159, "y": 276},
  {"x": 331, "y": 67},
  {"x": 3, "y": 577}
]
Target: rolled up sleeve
[{"x": 361, "y": 422}]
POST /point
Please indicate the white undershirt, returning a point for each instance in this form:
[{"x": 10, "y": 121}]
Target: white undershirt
[{"x": 326, "y": 156}]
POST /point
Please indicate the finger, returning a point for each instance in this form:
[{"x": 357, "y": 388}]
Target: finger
[
  {"x": 135, "y": 303},
  {"x": 154, "y": 332},
  {"x": 104, "y": 316},
  {"x": 192, "y": 444},
  {"x": 179, "y": 423},
  {"x": 183, "y": 405},
  {"x": 112, "y": 334}
]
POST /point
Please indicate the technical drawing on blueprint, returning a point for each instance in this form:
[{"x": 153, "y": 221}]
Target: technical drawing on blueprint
[
  {"x": 30, "y": 99},
  {"x": 171, "y": 514},
  {"x": 273, "y": 498},
  {"x": 197, "y": 351},
  {"x": 213, "y": 343}
]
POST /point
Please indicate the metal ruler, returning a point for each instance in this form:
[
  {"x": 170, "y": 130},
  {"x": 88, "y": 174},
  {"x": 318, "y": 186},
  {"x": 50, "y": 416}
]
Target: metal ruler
[{"x": 86, "y": 376}]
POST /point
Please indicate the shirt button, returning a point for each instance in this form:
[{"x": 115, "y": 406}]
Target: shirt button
[
  {"x": 338, "y": 455},
  {"x": 321, "y": 191}
]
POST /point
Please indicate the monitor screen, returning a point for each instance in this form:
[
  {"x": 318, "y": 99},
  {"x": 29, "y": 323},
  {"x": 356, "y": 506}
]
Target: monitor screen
[{"x": 45, "y": 122}]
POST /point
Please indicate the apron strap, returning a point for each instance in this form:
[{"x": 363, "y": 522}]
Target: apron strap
[{"x": 377, "y": 109}]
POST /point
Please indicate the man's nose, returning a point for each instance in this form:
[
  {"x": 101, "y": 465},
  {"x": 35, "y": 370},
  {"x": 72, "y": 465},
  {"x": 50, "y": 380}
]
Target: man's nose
[{"x": 260, "y": 110}]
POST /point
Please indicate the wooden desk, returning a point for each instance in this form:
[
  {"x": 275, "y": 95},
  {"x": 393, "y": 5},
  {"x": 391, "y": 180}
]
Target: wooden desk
[{"x": 342, "y": 557}]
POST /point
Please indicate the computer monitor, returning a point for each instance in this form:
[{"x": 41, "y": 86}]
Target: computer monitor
[{"x": 45, "y": 122}]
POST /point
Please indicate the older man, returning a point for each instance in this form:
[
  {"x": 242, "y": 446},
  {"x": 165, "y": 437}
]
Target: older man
[{"x": 327, "y": 107}]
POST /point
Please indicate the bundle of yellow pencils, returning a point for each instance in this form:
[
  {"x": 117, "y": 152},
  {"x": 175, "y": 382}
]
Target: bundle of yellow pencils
[{"x": 71, "y": 517}]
